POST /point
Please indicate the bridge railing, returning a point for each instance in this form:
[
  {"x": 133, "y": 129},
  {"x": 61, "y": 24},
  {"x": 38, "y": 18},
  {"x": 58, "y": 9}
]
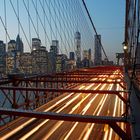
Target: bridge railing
[{"x": 13, "y": 96}]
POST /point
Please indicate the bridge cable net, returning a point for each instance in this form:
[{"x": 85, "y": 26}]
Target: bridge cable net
[
  {"x": 48, "y": 23},
  {"x": 49, "y": 30},
  {"x": 36, "y": 37}
]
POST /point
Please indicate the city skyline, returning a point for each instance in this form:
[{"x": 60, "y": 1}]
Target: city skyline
[
  {"x": 40, "y": 60},
  {"x": 59, "y": 23},
  {"x": 110, "y": 27}
]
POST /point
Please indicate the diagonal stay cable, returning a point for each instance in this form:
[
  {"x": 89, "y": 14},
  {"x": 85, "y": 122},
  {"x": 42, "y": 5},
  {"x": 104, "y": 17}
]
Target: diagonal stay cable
[{"x": 94, "y": 28}]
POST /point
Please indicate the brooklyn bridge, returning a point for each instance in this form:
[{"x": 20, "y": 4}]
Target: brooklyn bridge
[{"x": 56, "y": 79}]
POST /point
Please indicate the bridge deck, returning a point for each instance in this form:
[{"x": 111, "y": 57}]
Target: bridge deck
[{"x": 107, "y": 100}]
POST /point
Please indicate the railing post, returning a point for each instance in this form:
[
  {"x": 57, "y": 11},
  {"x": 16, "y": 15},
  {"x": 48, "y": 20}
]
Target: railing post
[
  {"x": 27, "y": 98},
  {"x": 36, "y": 94}
]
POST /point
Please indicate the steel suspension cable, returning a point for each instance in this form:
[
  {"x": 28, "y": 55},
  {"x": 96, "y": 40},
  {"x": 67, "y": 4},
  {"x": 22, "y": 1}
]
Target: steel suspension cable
[
  {"x": 94, "y": 28},
  {"x": 20, "y": 23},
  {"x": 29, "y": 15}
]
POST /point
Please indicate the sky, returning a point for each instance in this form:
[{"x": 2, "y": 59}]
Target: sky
[{"x": 108, "y": 17}]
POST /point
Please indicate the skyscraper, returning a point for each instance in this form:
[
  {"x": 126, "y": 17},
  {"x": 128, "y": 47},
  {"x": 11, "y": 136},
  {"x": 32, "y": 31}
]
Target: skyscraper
[
  {"x": 89, "y": 53},
  {"x": 52, "y": 55},
  {"x": 85, "y": 54},
  {"x": 97, "y": 51},
  {"x": 36, "y": 43},
  {"x": 15, "y": 49},
  {"x": 11, "y": 57},
  {"x": 54, "y": 48},
  {"x": 2, "y": 58},
  {"x": 85, "y": 61},
  {"x": 55, "y": 43},
  {"x": 26, "y": 61},
  {"x": 78, "y": 48},
  {"x": 19, "y": 44},
  {"x": 72, "y": 56},
  {"x": 39, "y": 60},
  {"x": 61, "y": 62},
  {"x": 11, "y": 46}
]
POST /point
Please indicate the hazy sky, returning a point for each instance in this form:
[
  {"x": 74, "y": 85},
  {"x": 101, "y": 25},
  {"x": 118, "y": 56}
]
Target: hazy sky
[{"x": 108, "y": 17}]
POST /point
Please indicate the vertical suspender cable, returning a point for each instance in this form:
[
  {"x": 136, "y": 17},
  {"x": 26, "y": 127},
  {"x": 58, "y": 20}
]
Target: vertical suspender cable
[
  {"x": 44, "y": 22},
  {"x": 36, "y": 7},
  {"x": 29, "y": 23},
  {"x": 18, "y": 16},
  {"x": 50, "y": 20},
  {"x": 26, "y": 8},
  {"x": 5, "y": 19}
]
